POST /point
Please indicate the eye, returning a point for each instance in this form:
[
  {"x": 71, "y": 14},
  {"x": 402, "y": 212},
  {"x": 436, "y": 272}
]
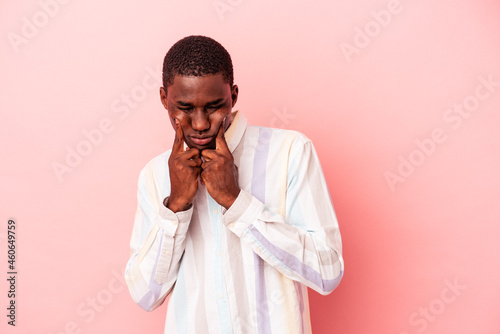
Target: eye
[
  {"x": 185, "y": 109},
  {"x": 214, "y": 108}
]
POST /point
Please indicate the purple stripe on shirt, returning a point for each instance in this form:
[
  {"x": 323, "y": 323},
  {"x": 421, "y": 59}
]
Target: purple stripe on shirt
[
  {"x": 260, "y": 165},
  {"x": 155, "y": 288},
  {"x": 259, "y": 191},
  {"x": 263, "y": 322},
  {"x": 295, "y": 264},
  {"x": 298, "y": 288}
]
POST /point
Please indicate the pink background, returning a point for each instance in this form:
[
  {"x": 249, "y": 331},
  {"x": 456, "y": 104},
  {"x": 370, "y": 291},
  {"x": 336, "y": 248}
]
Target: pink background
[{"x": 383, "y": 105}]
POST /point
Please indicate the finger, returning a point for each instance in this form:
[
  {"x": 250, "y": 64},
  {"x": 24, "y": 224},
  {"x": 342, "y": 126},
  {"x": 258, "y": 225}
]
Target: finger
[
  {"x": 196, "y": 172},
  {"x": 196, "y": 160},
  {"x": 205, "y": 175},
  {"x": 178, "y": 145},
  {"x": 190, "y": 153},
  {"x": 206, "y": 164},
  {"x": 220, "y": 140},
  {"x": 193, "y": 163},
  {"x": 209, "y": 154}
]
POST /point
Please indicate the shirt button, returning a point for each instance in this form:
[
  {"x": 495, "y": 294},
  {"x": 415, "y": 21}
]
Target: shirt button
[
  {"x": 258, "y": 249},
  {"x": 173, "y": 222},
  {"x": 218, "y": 253},
  {"x": 167, "y": 252},
  {"x": 215, "y": 211},
  {"x": 231, "y": 225},
  {"x": 220, "y": 296}
]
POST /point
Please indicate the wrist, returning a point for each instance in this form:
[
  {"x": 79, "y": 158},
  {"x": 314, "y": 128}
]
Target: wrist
[
  {"x": 176, "y": 205},
  {"x": 231, "y": 199}
]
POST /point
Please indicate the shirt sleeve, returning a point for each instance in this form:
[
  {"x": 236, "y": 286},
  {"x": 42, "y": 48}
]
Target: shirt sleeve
[
  {"x": 304, "y": 244},
  {"x": 156, "y": 246}
]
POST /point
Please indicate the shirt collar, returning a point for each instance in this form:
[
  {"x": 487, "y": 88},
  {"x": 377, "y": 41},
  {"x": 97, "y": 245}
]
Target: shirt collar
[{"x": 235, "y": 131}]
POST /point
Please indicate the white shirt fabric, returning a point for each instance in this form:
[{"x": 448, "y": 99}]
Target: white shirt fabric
[{"x": 247, "y": 269}]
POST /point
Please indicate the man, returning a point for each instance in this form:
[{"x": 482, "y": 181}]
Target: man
[{"x": 235, "y": 221}]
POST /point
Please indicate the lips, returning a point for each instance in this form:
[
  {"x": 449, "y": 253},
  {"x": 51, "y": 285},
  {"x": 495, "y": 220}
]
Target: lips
[{"x": 201, "y": 140}]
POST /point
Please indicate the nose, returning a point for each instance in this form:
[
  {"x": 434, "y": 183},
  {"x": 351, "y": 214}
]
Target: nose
[{"x": 199, "y": 121}]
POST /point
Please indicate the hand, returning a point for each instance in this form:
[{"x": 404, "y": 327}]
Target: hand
[
  {"x": 219, "y": 173},
  {"x": 184, "y": 168}
]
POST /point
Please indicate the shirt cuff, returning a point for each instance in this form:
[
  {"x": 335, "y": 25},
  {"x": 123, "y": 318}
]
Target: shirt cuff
[
  {"x": 174, "y": 223},
  {"x": 244, "y": 211}
]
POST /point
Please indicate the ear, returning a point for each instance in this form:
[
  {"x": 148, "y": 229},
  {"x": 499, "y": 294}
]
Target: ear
[
  {"x": 163, "y": 97},
  {"x": 234, "y": 95}
]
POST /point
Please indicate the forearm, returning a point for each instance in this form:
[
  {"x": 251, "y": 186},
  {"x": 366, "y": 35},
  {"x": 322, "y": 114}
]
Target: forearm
[
  {"x": 142, "y": 274},
  {"x": 312, "y": 256},
  {"x": 151, "y": 272},
  {"x": 157, "y": 245}
]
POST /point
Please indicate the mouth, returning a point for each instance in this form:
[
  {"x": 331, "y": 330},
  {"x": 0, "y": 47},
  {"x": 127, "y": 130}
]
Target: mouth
[{"x": 201, "y": 141}]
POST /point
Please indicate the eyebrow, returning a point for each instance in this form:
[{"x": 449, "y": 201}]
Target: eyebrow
[
  {"x": 219, "y": 101},
  {"x": 211, "y": 103},
  {"x": 184, "y": 104}
]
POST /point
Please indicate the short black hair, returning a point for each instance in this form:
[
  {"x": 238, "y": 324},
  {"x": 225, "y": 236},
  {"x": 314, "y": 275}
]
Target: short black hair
[{"x": 197, "y": 56}]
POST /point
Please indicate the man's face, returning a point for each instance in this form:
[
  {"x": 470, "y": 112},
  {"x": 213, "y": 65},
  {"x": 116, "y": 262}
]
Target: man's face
[{"x": 200, "y": 104}]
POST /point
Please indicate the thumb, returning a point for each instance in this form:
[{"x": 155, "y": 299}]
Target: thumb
[
  {"x": 179, "y": 137},
  {"x": 220, "y": 140}
]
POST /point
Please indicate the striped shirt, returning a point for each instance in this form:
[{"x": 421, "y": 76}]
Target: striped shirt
[{"x": 245, "y": 269}]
